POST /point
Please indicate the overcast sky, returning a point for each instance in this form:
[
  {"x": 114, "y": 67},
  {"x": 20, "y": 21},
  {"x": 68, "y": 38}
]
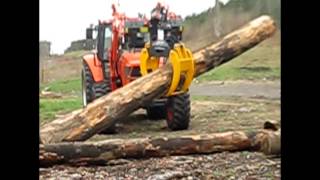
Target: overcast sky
[{"x": 63, "y": 21}]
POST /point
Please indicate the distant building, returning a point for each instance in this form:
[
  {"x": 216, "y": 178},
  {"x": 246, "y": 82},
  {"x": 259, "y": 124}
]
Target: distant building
[
  {"x": 85, "y": 44},
  {"x": 44, "y": 48}
]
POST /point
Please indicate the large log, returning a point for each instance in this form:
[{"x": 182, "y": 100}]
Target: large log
[
  {"x": 99, "y": 153},
  {"x": 105, "y": 111}
]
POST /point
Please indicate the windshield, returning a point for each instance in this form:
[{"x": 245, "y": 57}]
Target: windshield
[
  {"x": 135, "y": 38},
  {"x": 107, "y": 38},
  {"x": 141, "y": 36},
  {"x": 107, "y": 41},
  {"x": 104, "y": 41}
]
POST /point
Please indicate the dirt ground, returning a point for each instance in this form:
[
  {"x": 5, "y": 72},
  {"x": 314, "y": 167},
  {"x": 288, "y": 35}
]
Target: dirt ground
[
  {"x": 210, "y": 114},
  {"x": 239, "y": 165},
  {"x": 216, "y": 106}
]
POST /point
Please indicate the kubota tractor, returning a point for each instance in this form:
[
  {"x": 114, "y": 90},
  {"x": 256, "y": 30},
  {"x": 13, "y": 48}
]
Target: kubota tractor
[{"x": 128, "y": 48}]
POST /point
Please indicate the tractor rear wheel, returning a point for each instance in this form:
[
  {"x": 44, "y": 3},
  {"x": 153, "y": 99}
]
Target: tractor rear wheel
[
  {"x": 178, "y": 112},
  {"x": 93, "y": 90},
  {"x": 87, "y": 86}
]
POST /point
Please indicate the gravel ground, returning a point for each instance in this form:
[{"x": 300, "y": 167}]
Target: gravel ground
[
  {"x": 210, "y": 115},
  {"x": 237, "y": 165},
  {"x": 269, "y": 90}
]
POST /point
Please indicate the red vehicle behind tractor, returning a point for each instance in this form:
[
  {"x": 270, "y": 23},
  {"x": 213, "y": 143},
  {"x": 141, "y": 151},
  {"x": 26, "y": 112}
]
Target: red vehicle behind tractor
[{"x": 118, "y": 60}]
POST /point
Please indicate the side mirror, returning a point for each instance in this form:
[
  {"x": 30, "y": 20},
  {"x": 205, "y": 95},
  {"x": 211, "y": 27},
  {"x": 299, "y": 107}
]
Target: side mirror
[{"x": 89, "y": 33}]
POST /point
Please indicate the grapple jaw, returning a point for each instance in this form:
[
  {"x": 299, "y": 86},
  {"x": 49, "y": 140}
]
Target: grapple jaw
[{"x": 182, "y": 63}]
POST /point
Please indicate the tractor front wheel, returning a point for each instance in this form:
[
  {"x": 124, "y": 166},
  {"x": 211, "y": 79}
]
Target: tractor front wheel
[{"x": 178, "y": 112}]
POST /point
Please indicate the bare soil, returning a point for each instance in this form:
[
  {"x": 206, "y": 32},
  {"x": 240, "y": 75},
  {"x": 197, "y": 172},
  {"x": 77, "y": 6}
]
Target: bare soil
[
  {"x": 216, "y": 107},
  {"x": 209, "y": 115},
  {"x": 239, "y": 165}
]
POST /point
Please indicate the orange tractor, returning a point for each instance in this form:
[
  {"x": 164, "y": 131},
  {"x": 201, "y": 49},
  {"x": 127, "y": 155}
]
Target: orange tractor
[{"x": 128, "y": 48}]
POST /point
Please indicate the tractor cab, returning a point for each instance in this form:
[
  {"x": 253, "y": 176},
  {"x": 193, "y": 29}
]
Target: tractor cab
[
  {"x": 165, "y": 34},
  {"x": 176, "y": 28},
  {"x": 171, "y": 27},
  {"x": 103, "y": 39},
  {"x": 136, "y": 34},
  {"x": 103, "y": 49}
]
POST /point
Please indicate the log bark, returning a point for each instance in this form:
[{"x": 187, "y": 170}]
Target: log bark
[
  {"x": 99, "y": 153},
  {"x": 105, "y": 111}
]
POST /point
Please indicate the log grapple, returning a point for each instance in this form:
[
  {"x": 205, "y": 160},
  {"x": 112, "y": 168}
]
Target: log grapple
[{"x": 182, "y": 63}]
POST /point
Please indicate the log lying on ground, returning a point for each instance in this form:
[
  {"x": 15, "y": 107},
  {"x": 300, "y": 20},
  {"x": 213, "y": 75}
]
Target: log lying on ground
[
  {"x": 99, "y": 153},
  {"x": 105, "y": 111}
]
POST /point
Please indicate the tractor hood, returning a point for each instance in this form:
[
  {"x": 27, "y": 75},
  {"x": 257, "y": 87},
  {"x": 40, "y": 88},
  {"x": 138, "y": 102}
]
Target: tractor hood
[{"x": 131, "y": 58}]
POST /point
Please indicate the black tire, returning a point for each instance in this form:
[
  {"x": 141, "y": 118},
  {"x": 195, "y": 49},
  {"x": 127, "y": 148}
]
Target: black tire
[
  {"x": 92, "y": 90},
  {"x": 87, "y": 86},
  {"x": 178, "y": 112},
  {"x": 156, "y": 112}
]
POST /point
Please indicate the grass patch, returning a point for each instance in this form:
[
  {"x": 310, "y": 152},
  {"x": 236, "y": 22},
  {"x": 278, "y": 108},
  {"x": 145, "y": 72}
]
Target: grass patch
[
  {"x": 262, "y": 61},
  {"x": 64, "y": 86},
  {"x": 51, "y": 107}
]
